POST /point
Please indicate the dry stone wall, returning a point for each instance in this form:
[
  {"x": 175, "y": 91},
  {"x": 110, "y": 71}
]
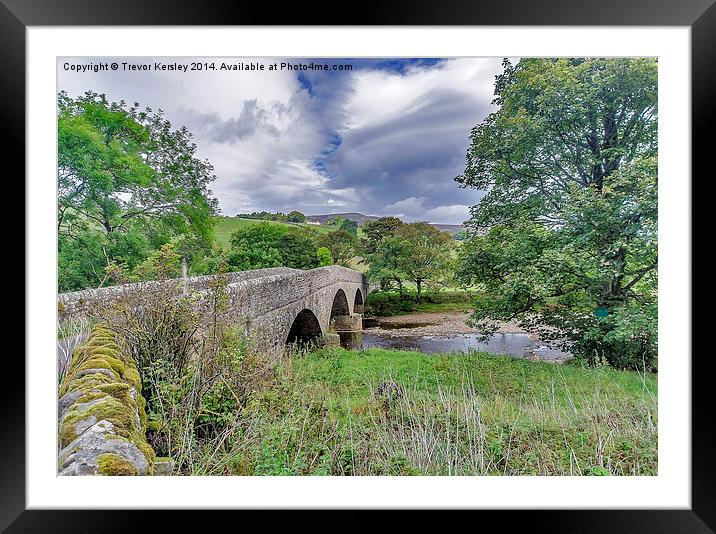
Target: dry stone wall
[{"x": 101, "y": 413}]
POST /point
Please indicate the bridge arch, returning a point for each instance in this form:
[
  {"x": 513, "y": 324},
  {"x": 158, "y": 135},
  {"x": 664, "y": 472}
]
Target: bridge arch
[
  {"x": 340, "y": 304},
  {"x": 304, "y": 329},
  {"x": 358, "y": 302}
]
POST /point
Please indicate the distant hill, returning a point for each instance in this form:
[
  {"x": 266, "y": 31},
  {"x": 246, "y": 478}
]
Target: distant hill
[{"x": 360, "y": 219}]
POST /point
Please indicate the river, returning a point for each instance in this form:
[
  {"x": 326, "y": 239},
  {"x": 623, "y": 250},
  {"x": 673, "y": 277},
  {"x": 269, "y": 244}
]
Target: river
[{"x": 443, "y": 332}]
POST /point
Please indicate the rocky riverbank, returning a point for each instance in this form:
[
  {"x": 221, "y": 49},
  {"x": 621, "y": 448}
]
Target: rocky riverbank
[{"x": 431, "y": 324}]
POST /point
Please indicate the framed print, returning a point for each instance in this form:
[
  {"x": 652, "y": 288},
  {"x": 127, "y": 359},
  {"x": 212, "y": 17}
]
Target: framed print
[{"x": 416, "y": 259}]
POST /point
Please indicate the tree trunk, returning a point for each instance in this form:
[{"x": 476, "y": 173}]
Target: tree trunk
[
  {"x": 612, "y": 293},
  {"x": 418, "y": 283},
  {"x": 105, "y": 216}
]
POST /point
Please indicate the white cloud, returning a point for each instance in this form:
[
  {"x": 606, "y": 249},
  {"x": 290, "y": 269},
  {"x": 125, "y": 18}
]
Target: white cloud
[
  {"x": 356, "y": 141},
  {"x": 414, "y": 209}
]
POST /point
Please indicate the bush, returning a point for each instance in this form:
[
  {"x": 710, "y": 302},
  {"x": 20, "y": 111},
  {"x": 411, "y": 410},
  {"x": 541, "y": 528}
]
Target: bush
[
  {"x": 269, "y": 245},
  {"x": 197, "y": 368},
  {"x": 324, "y": 256}
]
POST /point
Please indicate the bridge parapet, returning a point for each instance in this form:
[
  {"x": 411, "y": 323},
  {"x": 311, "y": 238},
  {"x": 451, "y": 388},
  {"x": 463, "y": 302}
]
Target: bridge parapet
[
  {"x": 79, "y": 302},
  {"x": 269, "y": 299}
]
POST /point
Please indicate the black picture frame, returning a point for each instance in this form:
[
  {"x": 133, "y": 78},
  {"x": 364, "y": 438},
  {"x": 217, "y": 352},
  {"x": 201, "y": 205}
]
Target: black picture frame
[{"x": 699, "y": 15}]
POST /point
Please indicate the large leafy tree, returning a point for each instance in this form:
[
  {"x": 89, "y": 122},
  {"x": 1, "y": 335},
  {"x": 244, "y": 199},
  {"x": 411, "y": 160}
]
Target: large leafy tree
[
  {"x": 568, "y": 163},
  {"x": 272, "y": 245},
  {"x": 125, "y": 173},
  {"x": 427, "y": 256},
  {"x": 296, "y": 216},
  {"x": 561, "y": 124},
  {"x": 386, "y": 262},
  {"x": 375, "y": 231},
  {"x": 341, "y": 244},
  {"x": 416, "y": 252}
]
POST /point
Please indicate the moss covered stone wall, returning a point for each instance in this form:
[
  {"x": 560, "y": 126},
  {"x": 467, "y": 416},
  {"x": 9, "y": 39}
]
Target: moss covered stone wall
[{"x": 101, "y": 416}]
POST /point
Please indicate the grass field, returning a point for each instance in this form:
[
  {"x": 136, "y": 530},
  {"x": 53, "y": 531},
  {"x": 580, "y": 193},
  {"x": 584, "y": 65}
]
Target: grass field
[{"x": 384, "y": 412}]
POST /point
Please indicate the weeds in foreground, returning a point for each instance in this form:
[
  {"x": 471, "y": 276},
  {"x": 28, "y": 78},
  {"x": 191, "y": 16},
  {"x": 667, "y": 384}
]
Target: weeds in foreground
[
  {"x": 315, "y": 422},
  {"x": 70, "y": 335}
]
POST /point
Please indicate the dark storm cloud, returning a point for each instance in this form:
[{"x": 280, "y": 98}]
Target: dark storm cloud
[{"x": 416, "y": 153}]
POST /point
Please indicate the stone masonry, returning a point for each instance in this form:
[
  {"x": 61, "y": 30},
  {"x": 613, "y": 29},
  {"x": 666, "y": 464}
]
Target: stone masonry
[{"x": 266, "y": 301}]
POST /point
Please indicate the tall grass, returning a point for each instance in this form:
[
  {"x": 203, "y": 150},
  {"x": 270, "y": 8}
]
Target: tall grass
[
  {"x": 313, "y": 420},
  {"x": 464, "y": 433},
  {"x": 70, "y": 334}
]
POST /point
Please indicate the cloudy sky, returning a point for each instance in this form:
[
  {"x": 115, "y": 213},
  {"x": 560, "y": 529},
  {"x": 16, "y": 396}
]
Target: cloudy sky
[{"x": 385, "y": 138}]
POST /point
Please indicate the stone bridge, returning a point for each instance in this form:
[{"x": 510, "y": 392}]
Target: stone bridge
[{"x": 277, "y": 306}]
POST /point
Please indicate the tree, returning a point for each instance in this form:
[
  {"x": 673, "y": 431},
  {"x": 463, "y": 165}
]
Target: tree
[
  {"x": 125, "y": 173},
  {"x": 561, "y": 124},
  {"x": 386, "y": 263},
  {"x": 298, "y": 250},
  {"x": 418, "y": 252},
  {"x": 296, "y": 217},
  {"x": 374, "y": 231},
  {"x": 569, "y": 165},
  {"x": 349, "y": 226},
  {"x": 427, "y": 256},
  {"x": 255, "y": 247},
  {"x": 161, "y": 264},
  {"x": 341, "y": 244},
  {"x": 271, "y": 245}
]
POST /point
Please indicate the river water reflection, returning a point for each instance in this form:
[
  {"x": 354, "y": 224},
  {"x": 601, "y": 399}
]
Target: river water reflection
[{"x": 514, "y": 344}]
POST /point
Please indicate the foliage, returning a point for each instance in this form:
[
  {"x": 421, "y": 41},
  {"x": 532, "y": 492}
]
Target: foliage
[
  {"x": 269, "y": 245},
  {"x": 428, "y": 256},
  {"x": 83, "y": 259},
  {"x": 196, "y": 368},
  {"x": 296, "y": 216},
  {"x": 291, "y": 217},
  {"x": 386, "y": 262},
  {"x": 298, "y": 250},
  {"x": 561, "y": 123},
  {"x": 418, "y": 252},
  {"x": 349, "y": 226},
  {"x": 389, "y": 303},
  {"x": 324, "y": 256},
  {"x": 341, "y": 244},
  {"x": 375, "y": 231},
  {"x": 127, "y": 184},
  {"x": 569, "y": 166},
  {"x": 161, "y": 264}
]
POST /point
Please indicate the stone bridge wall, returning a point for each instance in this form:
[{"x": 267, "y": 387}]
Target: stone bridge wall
[
  {"x": 81, "y": 302},
  {"x": 265, "y": 301}
]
